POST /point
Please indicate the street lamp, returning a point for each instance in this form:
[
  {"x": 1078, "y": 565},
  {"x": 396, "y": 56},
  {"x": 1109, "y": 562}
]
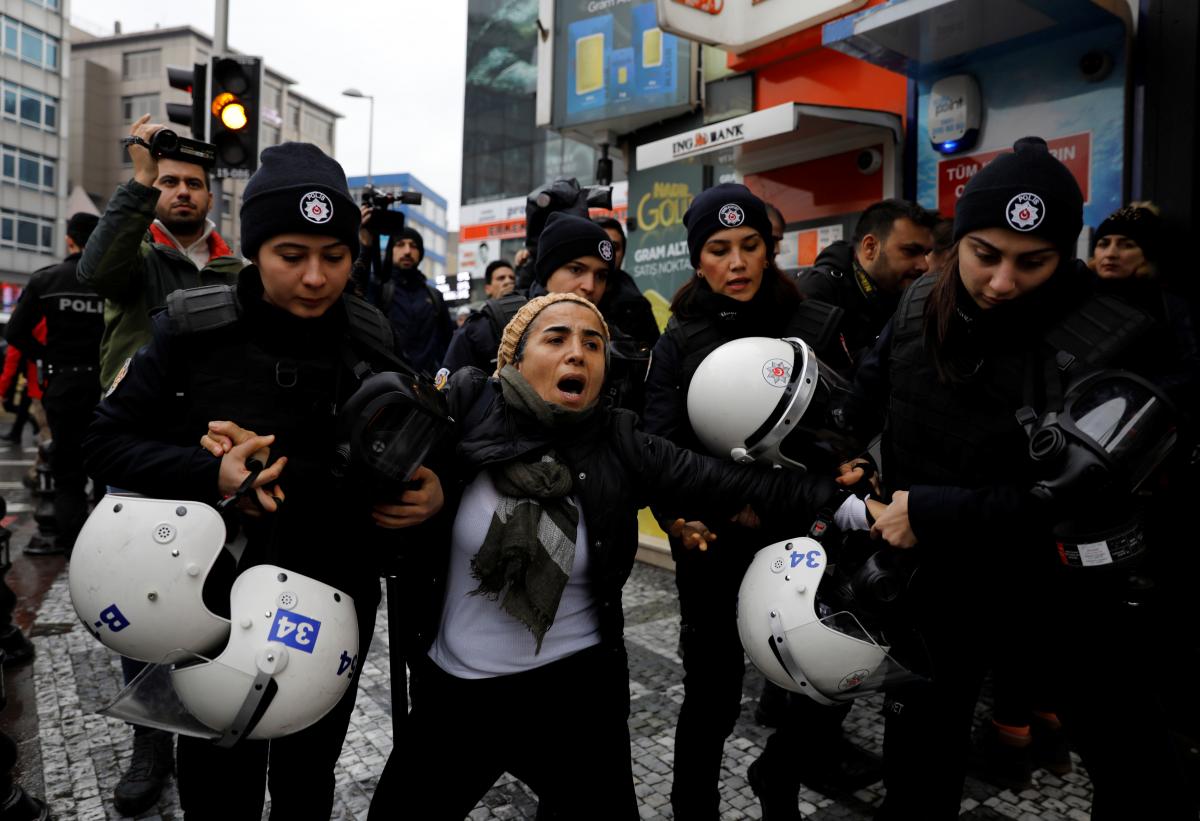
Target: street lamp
[{"x": 354, "y": 92}]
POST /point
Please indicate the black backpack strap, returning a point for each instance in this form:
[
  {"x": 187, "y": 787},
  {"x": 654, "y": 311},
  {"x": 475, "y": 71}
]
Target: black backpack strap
[
  {"x": 501, "y": 311},
  {"x": 195, "y": 310},
  {"x": 387, "y": 290},
  {"x": 370, "y": 330},
  {"x": 816, "y": 322},
  {"x": 909, "y": 319},
  {"x": 694, "y": 339}
]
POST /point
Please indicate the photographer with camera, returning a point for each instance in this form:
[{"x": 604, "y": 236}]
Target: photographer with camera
[
  {"x": 154, "y": 238},
  {"x": 395, "y": 285}
]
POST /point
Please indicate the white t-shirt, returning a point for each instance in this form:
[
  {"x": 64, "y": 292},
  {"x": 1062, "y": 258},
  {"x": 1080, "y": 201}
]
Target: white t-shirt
[{"x": 476, "y": 638}]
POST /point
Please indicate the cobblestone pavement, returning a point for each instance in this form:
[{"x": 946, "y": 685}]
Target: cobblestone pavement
[{"x": 82, "y": 753}]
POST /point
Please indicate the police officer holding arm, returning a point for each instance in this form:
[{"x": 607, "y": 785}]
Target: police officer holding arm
[{"x": 275, "y": 357}]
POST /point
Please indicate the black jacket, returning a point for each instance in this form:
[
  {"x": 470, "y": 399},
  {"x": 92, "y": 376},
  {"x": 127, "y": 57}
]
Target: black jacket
[
  {"x": 269, "y": 372},
  {"x": 618, "y": 471},
  {"x": 832, "y": 279},
  {"x": 74, "y": 315},
  {"x": 624, "y": 308}
]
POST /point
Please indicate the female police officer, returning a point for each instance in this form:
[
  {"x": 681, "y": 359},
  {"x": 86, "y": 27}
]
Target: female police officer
[
  {"x": 273, "y": 355},
  {"x": 527, "y": 659},
  {"x": 737, "y": 292},
  {"x": 1009, "y": 318}
]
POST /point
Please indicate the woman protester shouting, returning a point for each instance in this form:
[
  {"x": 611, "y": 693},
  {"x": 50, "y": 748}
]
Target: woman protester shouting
[
  {"x": 525, "y": 657},
  {"x": 275, "y": 358},
  {"x": 962, "y": 380}
]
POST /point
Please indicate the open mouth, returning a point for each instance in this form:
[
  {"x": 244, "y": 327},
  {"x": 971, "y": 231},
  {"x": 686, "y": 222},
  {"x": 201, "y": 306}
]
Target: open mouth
[{"x": 571, "y": 387}]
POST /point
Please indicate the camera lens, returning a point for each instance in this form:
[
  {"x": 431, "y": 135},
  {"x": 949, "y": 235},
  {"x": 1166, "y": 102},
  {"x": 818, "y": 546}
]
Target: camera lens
[{"x": 164, "y": 142}]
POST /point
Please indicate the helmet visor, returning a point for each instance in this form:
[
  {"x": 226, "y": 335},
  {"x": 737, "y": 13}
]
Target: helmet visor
[
  {"x": 150, "y": 700},
  {"x": 396, "y": 438},
  {"x": 810, "y": 440},
  {"x": 836, "y": 659},
  {"x": 1127, "y": 420}
]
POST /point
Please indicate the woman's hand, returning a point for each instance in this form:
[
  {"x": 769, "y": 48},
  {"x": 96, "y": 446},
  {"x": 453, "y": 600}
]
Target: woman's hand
[
  {"x": 222, "y": 436},
  {"x": 892, "y": 524},
  {"x": 693, "y": 535},
  {"x": 852, "y": 472},
  {"x": 233, "y": 472},
  {"x": 746, "y": 517},
  {"x": 415, "y": 506}
]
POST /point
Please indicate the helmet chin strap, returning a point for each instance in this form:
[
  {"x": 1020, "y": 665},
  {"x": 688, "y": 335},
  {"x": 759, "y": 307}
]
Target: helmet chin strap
[{"x": 258, "y": 698}]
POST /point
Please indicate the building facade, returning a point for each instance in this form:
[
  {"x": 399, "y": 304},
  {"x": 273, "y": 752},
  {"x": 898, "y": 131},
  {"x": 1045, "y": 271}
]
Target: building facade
[
  {"x": 117, "y": 79},
  {"x": 428, "y": 218},
  {"x": 34, "y": 86}
]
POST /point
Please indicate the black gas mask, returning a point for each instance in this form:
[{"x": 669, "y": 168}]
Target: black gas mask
[
  {"x": 1092, "y": 457},
  {"x": 391, "y": 422}
]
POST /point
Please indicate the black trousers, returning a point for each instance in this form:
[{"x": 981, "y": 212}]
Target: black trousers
[
  {"x": 562, "y": 729},
  {"x": 217, "y": 784},
  {"x": 70, "y": 400},
  {"x": 1098, "y": 669},
  {"x": 713, "y": 667}
]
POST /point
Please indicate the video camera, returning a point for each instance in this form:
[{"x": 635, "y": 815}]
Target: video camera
[
  {"x": 566, "y": 195},
  {"x": 166, "y": 144},
  {"x": 383, "y": 220}
]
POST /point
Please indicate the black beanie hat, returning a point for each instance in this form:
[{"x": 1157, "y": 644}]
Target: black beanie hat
[
  {"x": 728, "y": 205},
  {"x": 1028, "y": 191},
  {"x": 1137, "y": 222},
  {"x": 80, "y": 227},
  {"x": 413, "y": 234},
  {"x": 566, "y": 237},
  {"x": 298, "y": 189}
]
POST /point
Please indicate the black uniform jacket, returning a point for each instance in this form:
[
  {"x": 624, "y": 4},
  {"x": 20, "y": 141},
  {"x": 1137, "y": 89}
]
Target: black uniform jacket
[
  {"x": 74, "y": 315},
  {"x": 618, "y": 470},
  {"x": 269, "y": 372}
]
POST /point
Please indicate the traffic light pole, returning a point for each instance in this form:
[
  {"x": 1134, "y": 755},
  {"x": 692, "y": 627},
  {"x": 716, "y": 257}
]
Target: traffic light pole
[{"x": 220, "y": 47}]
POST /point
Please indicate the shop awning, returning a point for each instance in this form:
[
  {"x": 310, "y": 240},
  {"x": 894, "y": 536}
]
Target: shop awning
[
  {"x": 796, "y": 120},
  {"x": 916, "y": 37}
]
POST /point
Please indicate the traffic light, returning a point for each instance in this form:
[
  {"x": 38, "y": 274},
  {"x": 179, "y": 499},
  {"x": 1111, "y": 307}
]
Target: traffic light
[
  {"x": 194, "y": 81},
  {"x": 234, "y": 114}
]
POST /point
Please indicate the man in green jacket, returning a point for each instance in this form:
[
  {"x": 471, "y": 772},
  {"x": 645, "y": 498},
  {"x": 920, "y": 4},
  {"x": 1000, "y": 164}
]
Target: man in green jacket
[{"x": 154, "y": 238}]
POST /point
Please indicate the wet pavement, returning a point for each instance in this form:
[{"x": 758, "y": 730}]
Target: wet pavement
[{"x": 75, "y": 757}]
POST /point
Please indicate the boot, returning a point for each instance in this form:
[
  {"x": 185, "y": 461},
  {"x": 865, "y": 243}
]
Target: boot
[
  {"x": 17, "y": 648},
  {"x": 1050, "y": 749},
  {"x": 1004, "y": 757},
  {"x": 21, "y": 806},
  {"x": 779, "y": 802},
  {"x": 152, "y": 763}
]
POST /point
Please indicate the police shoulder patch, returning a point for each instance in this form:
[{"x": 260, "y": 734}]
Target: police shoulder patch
[{"x": 117, "y": 379}]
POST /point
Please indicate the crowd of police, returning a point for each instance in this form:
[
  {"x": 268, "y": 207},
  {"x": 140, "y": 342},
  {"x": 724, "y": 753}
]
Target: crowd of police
[{"x": 949, "y": 450}]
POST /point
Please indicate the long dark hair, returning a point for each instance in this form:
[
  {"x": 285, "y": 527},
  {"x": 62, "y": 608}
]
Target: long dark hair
[
  {"x": 940, "y": 309},
  {"x": 776, "y": 286}
]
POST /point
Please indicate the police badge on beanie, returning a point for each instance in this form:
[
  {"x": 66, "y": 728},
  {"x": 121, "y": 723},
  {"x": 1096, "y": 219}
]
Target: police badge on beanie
[
  {"x": 728, "y": 205},
  {"x": 567, "y": 237},
  {"x": 298, "y": 189},
  {"x": 1027, "y": 190}
]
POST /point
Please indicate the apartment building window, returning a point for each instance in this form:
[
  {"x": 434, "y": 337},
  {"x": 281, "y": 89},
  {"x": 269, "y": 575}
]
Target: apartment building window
[
  {"x": 28, "y": 106},
  {"x": 24, "y": 168},
  {"x": 26, "y": 231},
  {"x": 138, "y": 64},
  {"x": 46, "y": 4},
  {"x": 294, "y": 115},
  {"x": 136, "y": 105},
  {"x": 30, "y": 44}
]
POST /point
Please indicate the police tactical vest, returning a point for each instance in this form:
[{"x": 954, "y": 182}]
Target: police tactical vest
[
  {"x": 967, "y": 433},
  {"x": 230, "y": 374},
  {"x": 500, "y": 311}
]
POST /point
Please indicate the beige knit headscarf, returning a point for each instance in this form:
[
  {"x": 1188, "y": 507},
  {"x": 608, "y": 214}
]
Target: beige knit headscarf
[{"x": 515, "y": 329}]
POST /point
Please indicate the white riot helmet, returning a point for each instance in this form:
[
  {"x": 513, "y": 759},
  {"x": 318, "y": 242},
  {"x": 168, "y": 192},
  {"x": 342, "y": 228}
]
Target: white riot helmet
[
  {"x": 292, "y": 652},
  {"x": 802, "y": 642},
  {"x": 748, "y": 396},
  {"x": 137, "y": 577}
]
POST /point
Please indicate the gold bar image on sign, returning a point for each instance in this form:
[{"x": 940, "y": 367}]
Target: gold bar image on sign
[
  {"x": 651, "y": 48},
  {"x": 589, "y": 63}
]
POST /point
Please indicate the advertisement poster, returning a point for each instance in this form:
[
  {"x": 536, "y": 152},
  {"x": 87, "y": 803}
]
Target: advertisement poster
[
  {"x": 799, "y": 249},
  {"x": 657, "y": 256},
  {"x": 612, "y": 59},
  {"x": 1039, "y": 91}
]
